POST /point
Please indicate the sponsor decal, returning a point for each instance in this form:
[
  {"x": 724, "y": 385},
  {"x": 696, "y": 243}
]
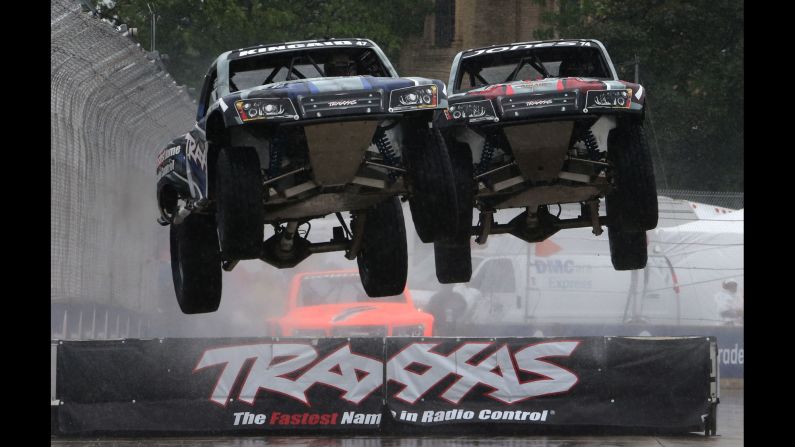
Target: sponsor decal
[
  {"x": 555, "y": 274},
  {"x": 296, "y": 46},
  {"x": 536, "y": 83},
  {"x": 196, "y": 152},
  {"x": 167, "y": 152},
  {"x": 526, "y": 46},
  {"x": 351, "y": 102},
  {"x": 165, "y": 169},
  {"x": 558, "y": 266}
]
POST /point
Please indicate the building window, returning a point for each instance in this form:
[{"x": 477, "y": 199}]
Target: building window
[{"x": 445, "y": 22}]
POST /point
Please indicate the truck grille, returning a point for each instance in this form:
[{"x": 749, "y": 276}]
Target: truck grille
[
  {"x": 521, "y": 106},
  {"x": 334, "y": 104}
]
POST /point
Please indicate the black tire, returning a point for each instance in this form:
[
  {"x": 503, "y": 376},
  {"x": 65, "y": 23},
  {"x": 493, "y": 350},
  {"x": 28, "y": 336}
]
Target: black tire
[
  {"x": 433, "y": 198},
  {"x": 240, "y": 214},
  {"x": 453, "y": 261},
  {"x": 196, "y": 264},
  {"x": 383, "y": 258},
  {"x": 447, "y": 308},
  {"x": 628, "y": 249},
  {"x": 632, "y": 205},
  {"x": 453, "y": 252}
]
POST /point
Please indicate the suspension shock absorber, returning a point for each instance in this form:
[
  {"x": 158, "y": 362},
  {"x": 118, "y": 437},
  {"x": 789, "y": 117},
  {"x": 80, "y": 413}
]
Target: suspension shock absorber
[
  {"x": 485, "y": 158},
  {"x": 387, "y": 151},
  {"x": 277, "y": 147},
  {"x": 591, "y": 150}
]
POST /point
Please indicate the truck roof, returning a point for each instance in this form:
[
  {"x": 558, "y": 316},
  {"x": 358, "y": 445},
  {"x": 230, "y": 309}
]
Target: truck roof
[
  {"x": 530, "y": 44},
  {"x": 299, "y": 44}
]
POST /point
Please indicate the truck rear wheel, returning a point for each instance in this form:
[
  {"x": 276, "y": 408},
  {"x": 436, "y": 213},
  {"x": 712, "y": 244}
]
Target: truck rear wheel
[
  {"x": 453, "y": 261},
  {"x": 433, "y": 198},
  {"x": 383, "y": 258},
  {"x": 628, "y": 249},
  {"x": 632, "y": 205},
  {"x": 239, "y": 210},
  {"x": 453, "y": 252},
  {"x": 196, "y": 264}
]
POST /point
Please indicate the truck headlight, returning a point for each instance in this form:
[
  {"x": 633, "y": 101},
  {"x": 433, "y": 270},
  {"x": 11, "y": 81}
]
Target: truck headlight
[
  {"x": 608, "y": 99},
  {"x": 419, "y": 97},
  {"x": 416, "y": 330},
  {"x": 263, "y": 109},
  {"x": 474, "y": 111}
]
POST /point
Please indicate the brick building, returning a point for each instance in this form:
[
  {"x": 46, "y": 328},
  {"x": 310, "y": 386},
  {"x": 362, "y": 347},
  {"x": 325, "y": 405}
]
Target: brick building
[{"x": 457, "y": 25}]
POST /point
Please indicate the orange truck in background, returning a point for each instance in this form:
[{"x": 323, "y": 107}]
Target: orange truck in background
[{"x": 334, "y": 304}]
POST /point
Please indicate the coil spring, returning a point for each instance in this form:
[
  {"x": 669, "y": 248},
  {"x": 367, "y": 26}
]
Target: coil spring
[
  {"x": 278, "y": 144},
  {"x": 486, "y": 156},
  {"x": 386, "y": 150},
  {"x": 591, "y": 145}
]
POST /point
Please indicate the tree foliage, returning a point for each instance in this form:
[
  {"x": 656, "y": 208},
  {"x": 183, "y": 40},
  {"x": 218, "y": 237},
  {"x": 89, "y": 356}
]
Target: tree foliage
[
  {"x": 194, "y": 32},
  {"x": 691, "y": 63}
]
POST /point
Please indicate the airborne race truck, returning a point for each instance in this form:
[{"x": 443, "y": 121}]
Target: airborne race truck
[
  {"x": 534, "y": 125},
  {"x": 293, "y": 132}
]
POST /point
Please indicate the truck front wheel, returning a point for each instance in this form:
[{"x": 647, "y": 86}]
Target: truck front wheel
[
  {"x": 632, "y": 206},
  {"x": 383, "y": 258},
  {"x": 433, "y": 193},
  {"x": 239, "y": 210},
  {"x": 452, "y": 252}
]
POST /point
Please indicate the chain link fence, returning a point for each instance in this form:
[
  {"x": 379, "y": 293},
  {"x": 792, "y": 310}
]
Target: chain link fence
[
  {"x": 731, "y": 200},
  {"x": 112, "y": 107}
]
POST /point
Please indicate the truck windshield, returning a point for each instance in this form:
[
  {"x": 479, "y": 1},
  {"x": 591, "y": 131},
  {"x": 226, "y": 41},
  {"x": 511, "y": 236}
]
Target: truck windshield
[
  {"x": 530, "y": 64},
  {"x": 266, "y": 69},
  {"x": 337, "y": 288}
]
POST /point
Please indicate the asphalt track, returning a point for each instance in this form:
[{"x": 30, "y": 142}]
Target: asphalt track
[{"x": 730, "y": 434}]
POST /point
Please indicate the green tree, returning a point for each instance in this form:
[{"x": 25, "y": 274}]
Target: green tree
[
  {"x": 691, "y": 63},
  {"x": 194, "y": 32}
]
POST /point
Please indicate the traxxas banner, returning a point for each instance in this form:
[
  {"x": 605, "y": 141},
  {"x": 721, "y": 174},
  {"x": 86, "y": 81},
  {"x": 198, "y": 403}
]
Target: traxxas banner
[
  {"x": 599, "y": 381},
  {"x": 218, "y": 385},
  {"x": 264, "y": 384}
]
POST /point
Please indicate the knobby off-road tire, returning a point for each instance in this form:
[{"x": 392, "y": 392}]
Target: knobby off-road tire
[
  {"x": 239, "y": 211},
  {"x": 628, "y": 249},
  {"x": 383, "y": 258},
  {"x": 453, "y": 252},
  {"x": 196, "y": 264},
  {"x": 632, "y": 205},
  {"x": 433, "y": 198}
]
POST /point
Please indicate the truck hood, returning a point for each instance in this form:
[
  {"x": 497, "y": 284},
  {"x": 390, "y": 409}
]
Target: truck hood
[
  {"x": 326, "y": 315},
  {"x": 354, "y": 95},
  {"x": 546, "y": 85},
  {"x": 550, "y": 96}
]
